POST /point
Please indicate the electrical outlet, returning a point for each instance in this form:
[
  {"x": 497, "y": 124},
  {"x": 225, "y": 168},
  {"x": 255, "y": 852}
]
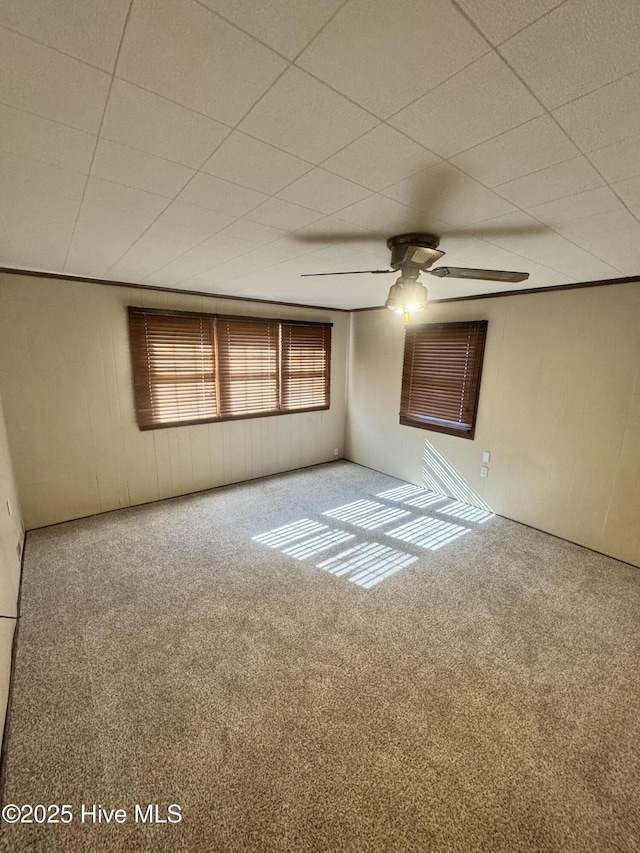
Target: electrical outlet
[
  {"x": 336, "y": 451},
  {"x": 486, "y": 456},
  {"x": 484, "y": 471}
]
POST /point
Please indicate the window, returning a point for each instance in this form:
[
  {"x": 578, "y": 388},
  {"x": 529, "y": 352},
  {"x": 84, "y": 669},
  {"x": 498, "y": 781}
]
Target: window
[
  {"x": 441, "y": 376},
  {"x": 195, "y": 368}
]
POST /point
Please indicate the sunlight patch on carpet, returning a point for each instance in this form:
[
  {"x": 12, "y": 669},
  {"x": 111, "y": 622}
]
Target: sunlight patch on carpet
[
  {"x": 367, "y": 564},
  {"x": 430, "y": 533},
  {"x": 317, "y": 544},
  {"x": 289, "y": 533},
  {"x": 367, "y": 514}
]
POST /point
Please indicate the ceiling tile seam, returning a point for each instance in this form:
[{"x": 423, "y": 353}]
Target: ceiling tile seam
[
  {"x": 434, "y": 89},
  {"x": 614, "y": 191},
  {"x": 197, "y": 172},
  {"x": 550, "y": 111},
  {"x": 336, "y": 92},
  {"x": 321, "y": 164},
  {"x": 610, "y": 145},
  {"x": 56, "y": 49},
  {"x": 321, "y": 30},
  {"x": 263, "y": 266},
  {"x": 95, "y": 147},
  {"x": 569, "y": 240},
  {"x": 537, "y": 171},
  {"x": 597, "y": 89},
  {"x": 214, "y": 266},
  {"x": 171, "y": 100},
  {"x": 240, "y": 30},
  {"x": 158, "y": 157},
  {"x": 497, "y": 136},
  {"x": 328, "y": 171},
  {"x": 555, "y": 120},
  {"x": 535, "y": 21},
  {"x": 52, "y": 120}
]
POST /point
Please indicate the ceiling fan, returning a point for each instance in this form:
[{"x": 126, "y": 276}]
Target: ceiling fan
[{"x": 412, "y": 254}]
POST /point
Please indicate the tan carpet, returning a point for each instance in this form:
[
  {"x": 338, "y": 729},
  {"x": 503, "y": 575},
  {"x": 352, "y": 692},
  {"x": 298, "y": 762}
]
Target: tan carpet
[{"x": 484, "y": 697}]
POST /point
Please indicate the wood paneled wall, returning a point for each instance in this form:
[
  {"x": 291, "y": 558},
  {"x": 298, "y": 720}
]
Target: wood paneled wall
[
  {"x": 65, "y": 374},
  {"x": 559, "y": 412}
]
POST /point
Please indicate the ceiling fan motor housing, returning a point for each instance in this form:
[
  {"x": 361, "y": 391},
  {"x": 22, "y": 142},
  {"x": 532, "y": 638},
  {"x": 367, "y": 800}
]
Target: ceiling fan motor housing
[{"x": 414, "y": 250}]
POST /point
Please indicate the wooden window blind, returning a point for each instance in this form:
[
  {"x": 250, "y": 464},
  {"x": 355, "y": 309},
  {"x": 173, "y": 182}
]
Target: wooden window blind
[
  {"x": 173, "y": 369},
  {"x": 441, "y": 376},
  {"x": 194, "y": 368},
  {"x": 305, "y": 366},
  {"x": 248, "y": 367}
]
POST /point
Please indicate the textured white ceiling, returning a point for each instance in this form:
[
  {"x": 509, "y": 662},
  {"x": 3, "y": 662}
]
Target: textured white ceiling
[{"x": 228, "y": 146}]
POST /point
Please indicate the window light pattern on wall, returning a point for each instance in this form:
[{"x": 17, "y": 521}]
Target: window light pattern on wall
[
  {"x": 367, "y": 564},
  {"x": 367, "y": 514},
  {"x": 430, "y": 533}
]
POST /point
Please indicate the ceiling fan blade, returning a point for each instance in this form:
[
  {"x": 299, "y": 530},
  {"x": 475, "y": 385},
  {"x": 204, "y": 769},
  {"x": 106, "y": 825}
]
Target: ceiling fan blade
[
  {"x": 488, "y": 275},
  {"x": 347, "y": 272}
]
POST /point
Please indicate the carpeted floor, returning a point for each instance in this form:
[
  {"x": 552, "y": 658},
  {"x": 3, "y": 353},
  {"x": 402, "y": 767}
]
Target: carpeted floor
[{"x": 466, "y": 684}]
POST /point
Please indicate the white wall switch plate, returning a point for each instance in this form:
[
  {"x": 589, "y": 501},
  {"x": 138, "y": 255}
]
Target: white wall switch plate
[
  {"x": 486, "y": 456},
  {"x": 484, "y": 471}
]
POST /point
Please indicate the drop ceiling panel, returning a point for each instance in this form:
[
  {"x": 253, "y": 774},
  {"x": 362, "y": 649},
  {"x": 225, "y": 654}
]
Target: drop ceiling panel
[
  {"x": 585, "y": 44},
  {"x": 323, "y": 191},
  {"x": 526, "y": 149},
  {"x": 618, "y": 161},
  {"x": 223, "y": 196},
  {"x": 202, "y": 220},
  {"x": 549, "y": 248},
  {"x": 102, "y": 236},
  {"x": 111, "y": 196},
  {"x": 379, "y": 158},
  {"x": 89, "y": 30},
  {"x": 563, "y": 179},
  {"x": 444, "y": 194},
  {"x": 215, "y": 161},
  {"x": 133, "y": 168},
  {"x": 306, "y": 118},
  {"x": 252, "y": 232},
  {"x": 489, "y": 96},
  {"x": 197, "y": 259},
  {"x": 576, "y": 207},
  {"x": 385, "y": 215},
  {"x": 608, "y": 115},
  {"x": 383, "y": 54},
  {"x": 190, "y": 55},
  {"x": 613, "y": 237},
  {"x": 40, "y": 139},
  {"x": 140, "y": 119},
  {"x": 22, "y": 178},
  {"x": 49, "y": 84},
  {"x": 282, "y": 214},
  {"x": 252, "y": 163},
  {"x": 285, "y": 25},
  {"x": 500, "y": 19}
]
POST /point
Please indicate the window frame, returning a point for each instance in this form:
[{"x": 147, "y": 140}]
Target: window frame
[
  {"x": 475, "y": 360},
  {"x": 139, "y": 382}
]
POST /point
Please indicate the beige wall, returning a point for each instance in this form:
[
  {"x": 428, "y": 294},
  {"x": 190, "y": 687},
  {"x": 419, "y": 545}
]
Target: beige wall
[
  {"x": 559, "y": 412},
  {"x": 10, "y": 537},
  {"x": 65, "y": 377}
]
